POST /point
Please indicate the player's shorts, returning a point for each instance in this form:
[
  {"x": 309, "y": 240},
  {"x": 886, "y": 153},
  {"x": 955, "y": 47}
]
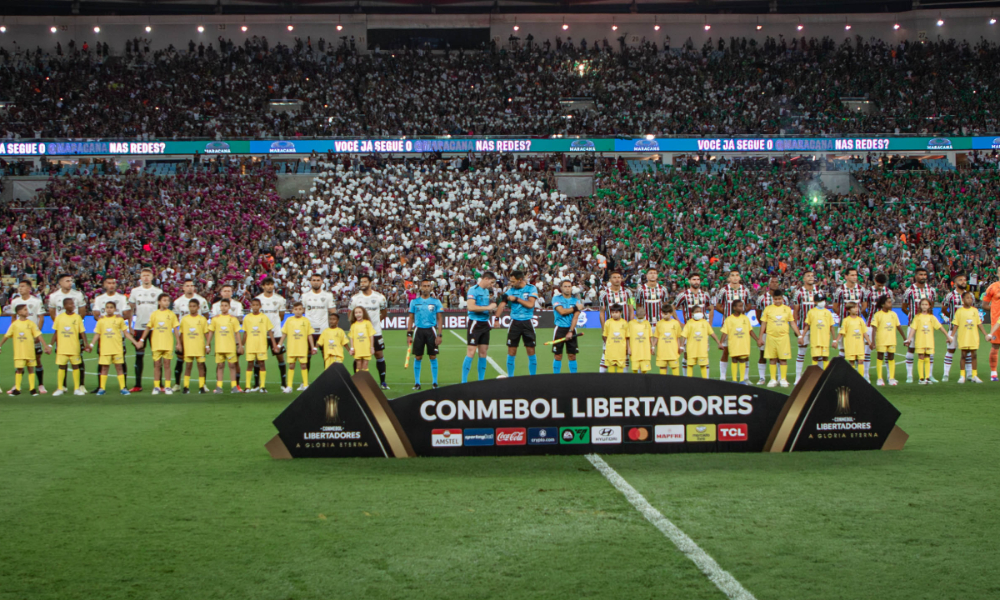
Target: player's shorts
[
  {"x": 281, "y": 348},
  {"x": 663, "y": 364},
  {"x": 641, "y": 365},
  {"x": 301, "y": 359},
  {"x": 64, "y": 359},
  {"x": 953, "y": 344},
  {"x": 854, "y": 357},
  {"x": 380, "y": 343},
  {"x": 225, "y": 357},
  {"x": 254, "y": 356},
  {"x": 521, "y": 331},
  {"x": 886, "y": 349},
  {"x": 330, "y": 360},
  {"x": 161, "y": 354},
  {"x": 745, "y": 357},
  {"x": 424, "y": 342},
  {"x": 777, "y": 348},
  {"x": 20, "y": 363},
  {"x": 111, "y": 359},
  {"x": 969, "y": 348},
  {"x": 362, "y": 356},
  {"x": 193, "y": 359},
  {"x": 806, "y": 340},
  {"x": 924, "y": 351},
  {"x": 616, "y": 363},
  {"x": 478, "y": 333},
  {"x": 572, "y": 347},
  {"x": 697, "y": 360},
  {"x": 819, "y": 351}
]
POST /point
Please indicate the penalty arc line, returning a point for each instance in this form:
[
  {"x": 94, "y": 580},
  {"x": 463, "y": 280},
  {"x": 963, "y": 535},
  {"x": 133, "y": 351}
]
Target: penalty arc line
[
  {"x": 716, "y": 574},
  {"x": 488, "y": 357}
]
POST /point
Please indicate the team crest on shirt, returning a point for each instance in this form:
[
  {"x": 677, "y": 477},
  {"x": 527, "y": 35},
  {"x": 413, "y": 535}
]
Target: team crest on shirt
[
  {"x": 640, "y": 333},
  {"x": 697, "y": 335},
  {"x": 161, "y": 323},
  {"x": 66, "y": 328}
]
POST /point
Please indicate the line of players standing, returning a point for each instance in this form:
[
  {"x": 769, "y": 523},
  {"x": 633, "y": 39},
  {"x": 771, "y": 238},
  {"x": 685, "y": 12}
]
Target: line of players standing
[
  {"x": 67, "y": 305},
  {"x": 864, "y": 314}
]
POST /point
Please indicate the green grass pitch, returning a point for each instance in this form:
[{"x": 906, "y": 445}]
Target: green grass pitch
[{"x": 174, "y": 497}]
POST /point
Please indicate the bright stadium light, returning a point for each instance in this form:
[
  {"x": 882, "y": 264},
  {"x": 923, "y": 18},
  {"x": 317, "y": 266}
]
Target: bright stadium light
[
  {"x": 3, "y": 29},
  {"x": 291, "y": 27},
  {"x": 148, "y": 28},
  {"x": 614, "y": 26},
  {"x": 800, "y": 27},
  {"x": 847, "y": 27},
  {"x": 759, "y": 27},
  {"x": 201, "y": 29},
  {"x": 340, "y": 27},
  {"x": 52, "y": 29},
  {"x": 896, "y": 26},
  {"x": 940, "y": 22},
  {"x": 243, "y": 28},
  {"x": 707, "y": 27},
  {"x": 993, "y": 21},
  {"x": 97, "y": 29},
  {"x": 565, "y": 27}
]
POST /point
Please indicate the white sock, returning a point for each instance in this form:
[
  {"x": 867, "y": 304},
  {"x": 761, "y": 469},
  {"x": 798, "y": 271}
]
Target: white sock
[
  {"x": 968, "y": 369},
  {"x": 909, "y": 364},
  {"x": 602, "y": 370},
  {"x": 800, "y": 361},
  {"x": 820, "y": 364},
  {"x": 868, "y": 361},
  {"x": 760, "y": 370},
  {"x": 722, "y": 369},
  {"x": 948, "y": 358},
  {"x": 841, "y": 353}
]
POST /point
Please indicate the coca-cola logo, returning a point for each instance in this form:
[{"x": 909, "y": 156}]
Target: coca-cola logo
[{"x": 511, "y": 436}]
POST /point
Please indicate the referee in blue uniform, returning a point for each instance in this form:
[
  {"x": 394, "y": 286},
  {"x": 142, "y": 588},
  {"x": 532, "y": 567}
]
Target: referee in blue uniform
[
  {"x": 565, "y": 307},
  {"x": 521, "y": 296},
  {"x": 426, "y": 316},
  {"x": 478, "y": 332}
]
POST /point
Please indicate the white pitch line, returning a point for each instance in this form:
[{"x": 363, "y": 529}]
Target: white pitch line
[
  {"x": 488, "y": 357},
  {"x": 716, "y": 574}
]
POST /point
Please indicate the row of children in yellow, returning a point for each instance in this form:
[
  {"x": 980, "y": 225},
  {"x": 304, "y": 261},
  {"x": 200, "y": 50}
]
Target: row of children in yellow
[
  {"x": 636, "y": 340},
  {"x": 192, "y": 335}
]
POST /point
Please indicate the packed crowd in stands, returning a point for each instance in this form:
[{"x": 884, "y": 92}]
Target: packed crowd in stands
[
  {"x": 734, "y": 86},
  {"x": 223, "y": 222}
]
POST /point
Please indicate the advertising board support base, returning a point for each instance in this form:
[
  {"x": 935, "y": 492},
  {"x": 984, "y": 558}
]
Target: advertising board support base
[{"x": 896, "y": 439}]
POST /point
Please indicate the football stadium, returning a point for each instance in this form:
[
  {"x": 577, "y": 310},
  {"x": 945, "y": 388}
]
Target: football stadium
[{"x": 583, "y": 266}]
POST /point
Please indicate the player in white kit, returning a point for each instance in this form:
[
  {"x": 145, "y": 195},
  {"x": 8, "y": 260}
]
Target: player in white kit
[
  {"x": 318, "y": 304},
  {"x": 182, "y": 307},
  {"x": 55, "y": 303},
  {"x": 143, "y": 300},
  {"x": 122, "y": 308},
  {"x": 274, "y": 307},
  {"x": 24, "y": 297},
  {"x": 377, "y": 307}
]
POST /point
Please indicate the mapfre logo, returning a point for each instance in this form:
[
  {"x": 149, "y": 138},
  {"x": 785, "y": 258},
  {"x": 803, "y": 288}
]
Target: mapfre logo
[
  {"x": 511, "y": 436},
  {"x": 668, "y": 434},
  {"x": 733, "y": 432},
  {"x": 446, "y": 438}
]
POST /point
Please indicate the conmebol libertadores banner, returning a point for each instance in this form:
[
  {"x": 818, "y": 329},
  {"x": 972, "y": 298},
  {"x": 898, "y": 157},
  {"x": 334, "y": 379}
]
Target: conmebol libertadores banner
[{"x": 344, "y": 416}]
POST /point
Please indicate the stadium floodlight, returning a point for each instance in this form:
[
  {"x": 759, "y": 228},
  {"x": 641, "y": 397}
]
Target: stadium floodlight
[
  {"x": 759, "y": 27},
  {"x": 291, "y": 27},
  {"x": 97, "y": 29},
  {"x": 993, "y": 20},
  {"x": 243, "y": 28},
  {"x": 656, "y": 26},
  {"x": 52, "y": 29},
  {"x": 940, "y": 22},
  {"x": 340, "y": 27},
  {"x": 895, "y": 26},
  {"x": 148, "y": 28},
  {"x": 707, "y": 27},
  {"x": 614, "y": 26},
  {"x": 800, "y": 27},
  {"x": 847, "y": 27},
  {"x": 565, "y": 26},
  {"x": 201, "y": 29},
  {"x": 3, "y": 29}
]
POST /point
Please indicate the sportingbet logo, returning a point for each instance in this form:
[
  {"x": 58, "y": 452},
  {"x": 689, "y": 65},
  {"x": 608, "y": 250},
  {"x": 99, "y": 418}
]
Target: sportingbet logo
[
  {"x": 668, "y": 434},
  {"x": 733, "y": 432},
  {"x": 511, "y": 436},
  {"x": 478, "y": 437},
  {"x": 446, "y": 438}
]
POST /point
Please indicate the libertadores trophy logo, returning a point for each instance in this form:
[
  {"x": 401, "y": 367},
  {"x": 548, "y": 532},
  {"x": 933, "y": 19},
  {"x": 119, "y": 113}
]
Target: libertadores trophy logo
[
  {"x": 843, "y": 412},
  {"x": 332, "y": 409}
]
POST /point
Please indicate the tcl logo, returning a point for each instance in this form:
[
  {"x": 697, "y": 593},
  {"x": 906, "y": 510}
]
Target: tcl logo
[
  {"x": 733, "y": 432},
  {"x": 511, "y": 436}
]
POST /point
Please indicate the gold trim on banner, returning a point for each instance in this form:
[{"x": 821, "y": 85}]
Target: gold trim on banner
[
  {"x": 277, "y": 448},
  {"x": 896, "y": 439},
  {"x": 792, "y": 410},
  {"x": 384, "y": 415}
]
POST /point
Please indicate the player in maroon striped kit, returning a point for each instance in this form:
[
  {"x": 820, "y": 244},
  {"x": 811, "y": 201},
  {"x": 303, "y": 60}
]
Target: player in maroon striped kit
[
  {"x": 803, "y": 300},
  {"x": 920, "y": 290},
  {"x": 763, "y": 301},
  {"x": 612, "y": 294},
  {"x": 651, "y": 295},
  {"x": 877, "y": 290},
  {"x": 951, "y": 303},
  {"x": 724, "y": 298},
  {"x": 852, "y": 291},
  {"x": 685, "y": 302}
]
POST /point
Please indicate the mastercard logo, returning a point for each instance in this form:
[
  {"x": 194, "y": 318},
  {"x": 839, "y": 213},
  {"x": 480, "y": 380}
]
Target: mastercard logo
[{"x": 639, "y": 434}]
